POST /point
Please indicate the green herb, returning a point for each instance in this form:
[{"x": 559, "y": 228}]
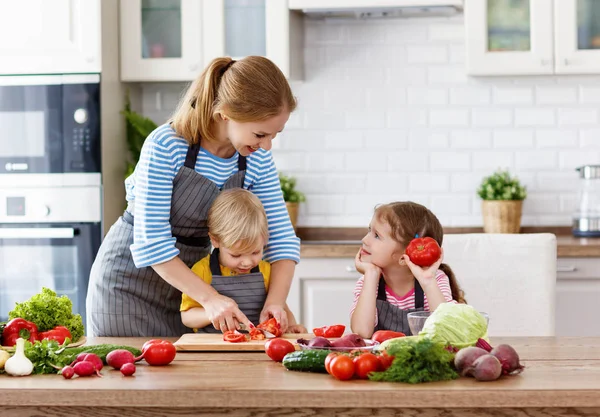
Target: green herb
[
  {"x": 501, "y": 186},
  {"x": 47, "y": 310},
  {"x": 417, "y": 361},
  {"x": 137, "y": 128},
  {"x": 288, "y": 187}
]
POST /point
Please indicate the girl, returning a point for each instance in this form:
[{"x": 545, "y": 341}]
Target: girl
[
  {"x": 238, "y": 231},
  {"x": 219, "y": 138},
  {"x": 392, "y": 286}
]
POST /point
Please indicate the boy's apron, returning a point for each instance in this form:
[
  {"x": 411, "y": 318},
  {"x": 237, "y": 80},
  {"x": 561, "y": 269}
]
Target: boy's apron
[
  {"x": 124, "y": 300},
  {"x": 390, "y": 317},
  {"x": 247, "y": 290}
]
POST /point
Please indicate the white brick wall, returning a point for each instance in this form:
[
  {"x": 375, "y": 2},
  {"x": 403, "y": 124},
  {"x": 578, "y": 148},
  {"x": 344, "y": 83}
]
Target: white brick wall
[{"x": 386, "y": 112}]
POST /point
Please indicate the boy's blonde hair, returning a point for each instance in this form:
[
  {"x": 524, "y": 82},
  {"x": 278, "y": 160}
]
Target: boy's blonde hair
[
  {"x": 249, "y": 90},
  {"x": 238, "y": 218}
]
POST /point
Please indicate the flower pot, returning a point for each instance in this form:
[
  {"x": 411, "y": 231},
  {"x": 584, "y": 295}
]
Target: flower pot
[
  {"x": 502, "y": 216},
  {"x": 292, "y": 209}
]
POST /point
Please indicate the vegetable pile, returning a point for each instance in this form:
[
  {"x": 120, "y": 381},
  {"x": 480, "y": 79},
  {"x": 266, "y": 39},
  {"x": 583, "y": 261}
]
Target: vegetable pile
[{"x": 485, "y": 363}]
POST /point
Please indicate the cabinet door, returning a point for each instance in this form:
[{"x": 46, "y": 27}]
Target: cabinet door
[
  {"x": 577, "y": 36},
  {"x": 50, "y": 37},
  {"x": 161, "y": 40},
  {"x": 577, "y": 295},
  {"x": 322, "y": 291},
  {"x": 509, "y": 37},
  {"x": 238, "y": 28}
]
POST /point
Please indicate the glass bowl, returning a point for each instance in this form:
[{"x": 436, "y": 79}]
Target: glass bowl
[
  {"x": 416, "y": 320},
  {"x": 371, "y": 345}
]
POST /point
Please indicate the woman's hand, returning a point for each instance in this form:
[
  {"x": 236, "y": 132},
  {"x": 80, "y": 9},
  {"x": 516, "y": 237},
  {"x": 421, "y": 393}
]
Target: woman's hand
[
  {"x": 277, "y": 312},
  {"x": 425, "y": 276},
  {"x": 224, "y": 313},
  {"x": 297, "y": 328},
  {"x": 363, "y": 267}
]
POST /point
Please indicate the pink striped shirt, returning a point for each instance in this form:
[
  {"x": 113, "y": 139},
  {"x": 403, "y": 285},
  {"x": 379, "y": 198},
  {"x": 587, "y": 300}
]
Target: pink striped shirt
[{"x": 406, "y": 301}]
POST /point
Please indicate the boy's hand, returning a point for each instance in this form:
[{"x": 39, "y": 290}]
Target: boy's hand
[
  {"x": 297, "y": 328},
  {"x": 276, "y": 311},
  {"x": 425, "y": 276}
]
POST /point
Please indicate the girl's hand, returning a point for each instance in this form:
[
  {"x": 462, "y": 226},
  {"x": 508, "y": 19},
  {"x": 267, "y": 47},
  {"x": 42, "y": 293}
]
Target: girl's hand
[
  {"x": 363, "y": 267},
  {"x": 425, "y": 276},
  {"x": 297, "y": 328},
  {"x": 224, "y": 313},
  {"x": 276, "y": 311}
]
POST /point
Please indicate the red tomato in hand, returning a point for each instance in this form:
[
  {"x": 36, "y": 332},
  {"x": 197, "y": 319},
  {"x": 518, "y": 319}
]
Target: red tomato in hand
[
  {"x": 365, "y": 364},
  {"x": 342, "y": 367},
  {"x": 423, "y": 251},
  {"x": 158, "y": 352},
  {"x": 276, "y": 349}
]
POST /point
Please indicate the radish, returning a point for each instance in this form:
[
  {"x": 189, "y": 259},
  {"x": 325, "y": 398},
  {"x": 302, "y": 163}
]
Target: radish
[
  {"x": 89, "y": 357},
  {"x": 119, "y": 357},
  {"x": 463, "y": 361},
  {"x": 85, "y": 369},
  {"x": 486, "y": 368},
  {"x": 68, "y": 372},
  {"x": 128, "y": 369}
]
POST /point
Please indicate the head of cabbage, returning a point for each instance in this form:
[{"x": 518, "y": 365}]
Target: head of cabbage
[{"x": 459, "y": 325}]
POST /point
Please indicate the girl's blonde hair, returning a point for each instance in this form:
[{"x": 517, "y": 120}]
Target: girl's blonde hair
[
  {"x": 249, "y": 90},
  {"x": 238, "y": 218},
  {"x": 408, "y": 219}
]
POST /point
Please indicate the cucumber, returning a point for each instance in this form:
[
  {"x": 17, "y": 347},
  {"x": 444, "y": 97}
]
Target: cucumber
[{"x": 312, "y": 360}]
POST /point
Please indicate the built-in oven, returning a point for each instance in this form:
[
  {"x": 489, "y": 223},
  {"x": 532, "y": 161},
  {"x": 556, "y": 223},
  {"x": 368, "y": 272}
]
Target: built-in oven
[
  {"x": 50, "y": 232},
  {"x": 50, "y": 124}
]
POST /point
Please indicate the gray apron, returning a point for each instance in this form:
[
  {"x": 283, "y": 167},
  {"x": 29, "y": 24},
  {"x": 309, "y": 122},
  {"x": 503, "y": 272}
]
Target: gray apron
[
  {"x": 124, "y": 300},
  {"x": 390, "y": 317},
  {"x": 247, "y": 290}
]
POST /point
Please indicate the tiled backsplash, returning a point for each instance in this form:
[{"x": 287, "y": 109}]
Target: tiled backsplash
[{"x": 386, "y": 112}]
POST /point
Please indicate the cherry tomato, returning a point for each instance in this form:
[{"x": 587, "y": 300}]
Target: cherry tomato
[
  {"x": 158, "y": 352},
  {"x": 328, "y": 360},
  {"x": 276, "y": 349},
  {"x": 342, "y": 367},
  {"x": 423, "y": 251},
  {"x": 385, "y": 361},
  {"x": 365, "y": 364}
]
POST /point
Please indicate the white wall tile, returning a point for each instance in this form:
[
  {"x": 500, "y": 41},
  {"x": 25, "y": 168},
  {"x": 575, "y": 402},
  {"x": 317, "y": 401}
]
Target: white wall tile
[
  {"x": 513, "y": 138},
  {"x": 556, "y": 95}
]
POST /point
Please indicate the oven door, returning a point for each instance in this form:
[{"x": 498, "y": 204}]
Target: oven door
[{"x": 57, "y": 256}]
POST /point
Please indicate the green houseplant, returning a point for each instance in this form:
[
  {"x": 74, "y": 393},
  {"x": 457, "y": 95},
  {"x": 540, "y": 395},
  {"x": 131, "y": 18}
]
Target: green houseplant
[
  {"x": 137, "y": 128},
  {"x": 502, "y": 204},
  {"x": 291, "y": 196}
]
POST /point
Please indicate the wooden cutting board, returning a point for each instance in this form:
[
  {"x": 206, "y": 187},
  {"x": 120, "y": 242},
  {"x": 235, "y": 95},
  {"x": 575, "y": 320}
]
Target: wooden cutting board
[{"x": 203, "y": 342}]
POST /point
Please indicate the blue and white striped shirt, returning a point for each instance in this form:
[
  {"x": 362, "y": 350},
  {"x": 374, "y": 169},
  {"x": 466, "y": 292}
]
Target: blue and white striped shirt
[{"x": 151, "y": 187}]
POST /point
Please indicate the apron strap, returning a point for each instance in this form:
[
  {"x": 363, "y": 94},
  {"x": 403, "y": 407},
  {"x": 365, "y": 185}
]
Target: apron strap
[
  {"x": 419, "y": 295},
  {"x": 192, "y": 155},
  {"x": 215, "y": 267},
  {"x": 241, "y": 163}
]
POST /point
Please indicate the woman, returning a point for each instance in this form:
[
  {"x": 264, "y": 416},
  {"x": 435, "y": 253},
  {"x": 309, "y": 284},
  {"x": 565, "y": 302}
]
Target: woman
[{"x": 219, "y": 138}]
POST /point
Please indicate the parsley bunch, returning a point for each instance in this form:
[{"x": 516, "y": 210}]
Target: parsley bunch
[{"x": 417, "y": 361}]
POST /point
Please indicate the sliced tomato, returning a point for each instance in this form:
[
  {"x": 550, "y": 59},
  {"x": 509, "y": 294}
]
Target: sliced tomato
[
  {"x": 271, "y": 326},
  {"x": 382, "y": 335},
  {"x": 256, "y": 334},
  {"x": 234, "y": 337},
  {"x": 319, "y": 331},
  {"x": 336, "y": 330}
]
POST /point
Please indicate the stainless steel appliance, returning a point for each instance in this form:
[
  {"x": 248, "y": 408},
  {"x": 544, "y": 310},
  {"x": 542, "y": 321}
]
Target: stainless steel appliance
[
  {"x": 586, "y": 219},
  {"x": 50, "y": 186}
]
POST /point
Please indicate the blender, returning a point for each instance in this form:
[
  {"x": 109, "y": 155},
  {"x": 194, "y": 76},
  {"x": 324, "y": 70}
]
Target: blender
[{"x": 586, "y": 220}]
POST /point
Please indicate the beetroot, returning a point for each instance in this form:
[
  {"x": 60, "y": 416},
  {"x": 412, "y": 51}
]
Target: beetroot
[
  {"x": 486, "y": 368},
  {"x": 463, "y": 361},
  {"x": 509, "y": 359}
]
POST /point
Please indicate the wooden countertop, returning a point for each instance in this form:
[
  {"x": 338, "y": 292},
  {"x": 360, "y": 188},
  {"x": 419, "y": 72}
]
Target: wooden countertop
[
  {"x": 560, "y": 373},
  {"x": 345, "y": 242}
]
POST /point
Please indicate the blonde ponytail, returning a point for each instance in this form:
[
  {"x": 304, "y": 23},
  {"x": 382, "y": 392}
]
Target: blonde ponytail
[{"x": 248, "y": 90}]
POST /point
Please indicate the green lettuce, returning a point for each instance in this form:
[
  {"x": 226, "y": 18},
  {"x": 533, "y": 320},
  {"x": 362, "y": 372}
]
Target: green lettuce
[{"x": 459, "y": 325}]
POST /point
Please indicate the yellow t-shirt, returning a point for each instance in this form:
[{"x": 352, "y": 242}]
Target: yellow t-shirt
[{"x": 202, "y": 269}]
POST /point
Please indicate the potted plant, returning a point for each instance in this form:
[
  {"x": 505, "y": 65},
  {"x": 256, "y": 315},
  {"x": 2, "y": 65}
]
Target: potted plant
[
  {"x": 137, "y": 128},
  {"x": 502, "y": 204},
  {"x": 291, "y": 196}
]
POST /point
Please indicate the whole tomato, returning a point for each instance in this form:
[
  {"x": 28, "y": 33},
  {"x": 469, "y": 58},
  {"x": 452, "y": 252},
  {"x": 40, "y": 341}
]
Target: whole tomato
[
  {"x": 342, "y": 367},
  {"x": 328, "y": 360},
  {"x": 423, "y": 251},
  {"x": 365, "y": 364},
  {"x": 158, "y": 352},
  {"x": 385, "y": 361},
  {"x": 276, "y": 349}
]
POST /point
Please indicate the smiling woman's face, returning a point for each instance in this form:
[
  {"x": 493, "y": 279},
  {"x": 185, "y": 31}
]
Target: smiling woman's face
[{"x": 249, "y": 137}]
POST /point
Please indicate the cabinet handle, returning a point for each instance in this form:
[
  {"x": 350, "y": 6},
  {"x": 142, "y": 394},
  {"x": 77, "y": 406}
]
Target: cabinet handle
[
  {"x": 570, "y": 268},
  {"x": 351, "y": 269}
]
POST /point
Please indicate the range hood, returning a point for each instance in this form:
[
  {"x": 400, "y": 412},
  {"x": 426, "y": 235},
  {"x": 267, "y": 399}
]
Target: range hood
[{"x": 365, "y": 9}]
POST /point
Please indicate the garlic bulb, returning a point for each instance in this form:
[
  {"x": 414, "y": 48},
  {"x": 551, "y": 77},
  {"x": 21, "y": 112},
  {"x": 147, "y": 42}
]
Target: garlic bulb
[{"x": 19, "y": 364}]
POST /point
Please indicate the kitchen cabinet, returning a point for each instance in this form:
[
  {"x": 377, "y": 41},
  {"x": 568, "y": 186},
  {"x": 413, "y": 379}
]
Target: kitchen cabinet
[
  {"x": 173, "y": 40},
  {"x": 322, "y": 291},
  {"x": 42, "y": 37},
  {"x": 524, "y": 37},
  {"x": 578, "y": 297}
]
